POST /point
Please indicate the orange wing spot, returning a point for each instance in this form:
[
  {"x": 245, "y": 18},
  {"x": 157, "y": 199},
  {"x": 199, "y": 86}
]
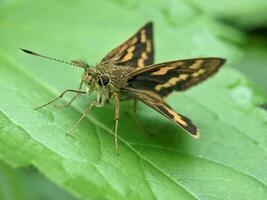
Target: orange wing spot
[
  {"x": 163, "y": 70},
  {"x": 141, "y": 61},
  {"x": 133, "y": 41},
  {"x": 197, "y": 64},
  {"x": 160, "y": 86},
  {"x": 198, "y": 73},
  {"x": 129, "y": 54},
  {"x": 177, "y": 117},
  {"x": 144, "y": 55},
  {"x": 172, "y": 82},
  {"x": 148, "y": 46},
  {"x": 176, "y": 64},
  {"x": 123, "y": 47},
  {"x": 143, "y": 36},
  {"x": 127, "y": 57},
  {"x": 131, "y": 49}
]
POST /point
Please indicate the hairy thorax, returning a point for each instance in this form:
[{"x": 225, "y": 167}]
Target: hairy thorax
[
  {"x": 106, "y": 79},
  {"x": 118, "y": 75}
]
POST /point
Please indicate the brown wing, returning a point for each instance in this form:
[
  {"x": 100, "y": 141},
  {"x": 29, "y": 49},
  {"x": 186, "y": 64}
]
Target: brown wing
[
  {"x": 138, "y": 51},
  {"x": 157, "y": 103},
  {"x": 179, "y": 75}
]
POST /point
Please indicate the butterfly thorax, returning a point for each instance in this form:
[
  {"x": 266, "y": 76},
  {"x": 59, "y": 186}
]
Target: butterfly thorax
[{"x": 106, "y": 78}]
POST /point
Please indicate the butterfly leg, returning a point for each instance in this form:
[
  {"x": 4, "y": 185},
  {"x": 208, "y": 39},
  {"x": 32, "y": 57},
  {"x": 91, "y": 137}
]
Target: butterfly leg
[
  {"x": 73, "y": 98},
  {"x": 135, "y": 114},
  {"x": 117, "y": 116},
  {"x": 87, "y": 110},
  {"x": 60, "y": 96},
  {"x": 137, "y": 121}
]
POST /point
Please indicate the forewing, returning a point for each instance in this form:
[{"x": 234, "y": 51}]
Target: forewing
[
  {"x": 179, "y": 75},
  {"x": 157, "y": 103},
  {"x": 138, "y": 51}
]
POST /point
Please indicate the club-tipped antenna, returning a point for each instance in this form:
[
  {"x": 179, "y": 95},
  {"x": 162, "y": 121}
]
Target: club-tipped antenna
[{"x": 55, "y": 59}]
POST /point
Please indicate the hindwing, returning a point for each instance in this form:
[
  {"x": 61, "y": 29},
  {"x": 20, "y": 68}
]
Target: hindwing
[{"x": 157, "y": 103}]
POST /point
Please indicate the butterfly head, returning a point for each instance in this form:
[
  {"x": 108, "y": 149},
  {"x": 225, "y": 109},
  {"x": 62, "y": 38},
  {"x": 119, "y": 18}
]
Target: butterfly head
[{"x": 95, "y": 80}]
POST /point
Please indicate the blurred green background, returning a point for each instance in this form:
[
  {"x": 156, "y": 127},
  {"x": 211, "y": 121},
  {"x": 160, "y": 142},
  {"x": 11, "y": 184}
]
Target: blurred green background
[
  {"x": 25, "y": 184},
  {"x": 229, "y": 161}
]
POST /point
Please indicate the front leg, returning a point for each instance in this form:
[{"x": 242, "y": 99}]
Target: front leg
[
  {"x": 137, "y": 121},
  {"x": 117, "y": 117},
  {"x": 72, "y": 99},
  {"x": 60, "y": 96},
  {"x": 87, "y": 110}
]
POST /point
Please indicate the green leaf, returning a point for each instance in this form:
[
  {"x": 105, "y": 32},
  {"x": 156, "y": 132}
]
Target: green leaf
[
  {"x": 245, "y": 14},
  {"x": 253, "y": 63},
  {"x": 27, "y": 184},
  {"x": 229, "y": 159}
]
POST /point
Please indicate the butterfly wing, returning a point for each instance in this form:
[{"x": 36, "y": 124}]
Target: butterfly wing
[
  {"x": 157, "y": 103},
  {"x": 137, "y": 51},
  {"x": 179, "y": 75}
]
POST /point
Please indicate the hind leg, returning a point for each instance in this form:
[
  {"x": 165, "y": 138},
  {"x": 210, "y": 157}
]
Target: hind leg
[{"x": 117, "y": 117}]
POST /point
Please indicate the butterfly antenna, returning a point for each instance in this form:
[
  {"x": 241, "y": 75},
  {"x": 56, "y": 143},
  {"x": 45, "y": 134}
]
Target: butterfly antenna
[{"x": 46, "y": 57}]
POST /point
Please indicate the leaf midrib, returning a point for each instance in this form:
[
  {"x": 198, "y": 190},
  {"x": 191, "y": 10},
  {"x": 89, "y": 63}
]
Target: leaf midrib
[{"x": 201, "y": 158}]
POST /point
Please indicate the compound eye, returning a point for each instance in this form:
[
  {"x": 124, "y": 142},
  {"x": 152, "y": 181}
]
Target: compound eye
[{"x": 103, "y": 80}]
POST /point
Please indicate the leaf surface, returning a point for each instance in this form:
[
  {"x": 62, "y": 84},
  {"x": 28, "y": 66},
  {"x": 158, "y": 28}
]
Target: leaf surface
[{"x": 227, "y": 162}]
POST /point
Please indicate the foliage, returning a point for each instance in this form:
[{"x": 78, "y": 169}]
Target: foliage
[{"x": 227, "y": 162}]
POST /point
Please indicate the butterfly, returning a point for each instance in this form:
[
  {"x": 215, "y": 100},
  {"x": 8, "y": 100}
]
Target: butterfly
[{"x": 129, "y": 71}]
